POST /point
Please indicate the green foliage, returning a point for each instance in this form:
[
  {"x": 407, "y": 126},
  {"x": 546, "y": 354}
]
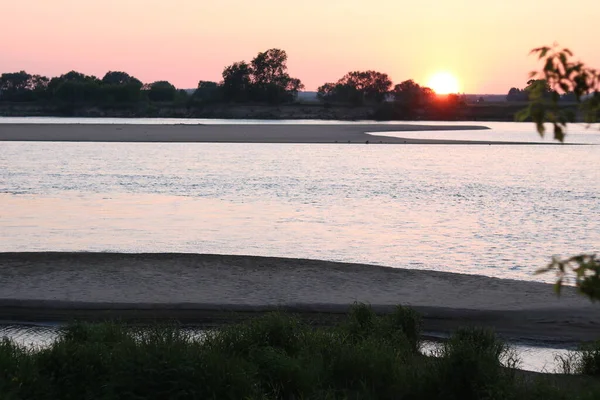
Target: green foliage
[
  {"x": 271, "y": 357},
  {"x": 585, "y": 267},
  {"x": 560, "y": 74},
  {"x": 535, "y": 88},
  {"x": 18, "y": 371},
  {"x": 573, "y": 78}
]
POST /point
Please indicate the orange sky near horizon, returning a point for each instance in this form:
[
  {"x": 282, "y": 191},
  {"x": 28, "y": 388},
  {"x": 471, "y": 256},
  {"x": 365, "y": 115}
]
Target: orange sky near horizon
[{"x": 484, "y": 44}]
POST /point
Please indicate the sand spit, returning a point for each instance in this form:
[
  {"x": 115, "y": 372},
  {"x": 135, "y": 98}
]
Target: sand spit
[
  {"x": 243, "y": 133},
  {"x": 197, "y": 288}
]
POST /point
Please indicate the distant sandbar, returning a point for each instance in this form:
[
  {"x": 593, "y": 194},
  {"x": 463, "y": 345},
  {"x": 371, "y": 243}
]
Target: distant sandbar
[{"x": 242, "y": 133}]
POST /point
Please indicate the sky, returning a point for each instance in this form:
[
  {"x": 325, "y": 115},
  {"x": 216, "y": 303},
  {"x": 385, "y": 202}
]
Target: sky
[{"x": 483, "y": 43}]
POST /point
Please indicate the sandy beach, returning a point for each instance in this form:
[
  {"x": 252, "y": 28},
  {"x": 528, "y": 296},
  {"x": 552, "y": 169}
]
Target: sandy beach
[
  {"x": 259, "y": 133},
  {"x": 198, "y": 288}
]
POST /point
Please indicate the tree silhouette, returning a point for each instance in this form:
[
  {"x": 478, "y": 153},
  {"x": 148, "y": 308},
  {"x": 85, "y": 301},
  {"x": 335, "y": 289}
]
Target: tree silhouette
[
  {"x": 270, "y": 80},
  {"x": 357, "y": 88},
  {"x": 21, "y": 86},
  {"x": 161, "y": 91},
  {"x": 237, "y": 82}
]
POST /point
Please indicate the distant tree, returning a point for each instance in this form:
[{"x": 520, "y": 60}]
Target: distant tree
[
  {"x": 374, "y": 85},
  {"x": 265, "y": 79},
  {"x": 411, "y": 100},
  {"x": 269, "y": 67},
  {"x": 14, "y": 84},
  {"x": 412, "y": 94},
  {"x": 161, "y": 91},
  {"x": 357, "y": 88},
  {"x": 74, "y": 76},
  {"x": 119, "y": 78},
  {"x": 75, "y": 88},
  {"x": 446, "y": 107},
  {"x": 541, "y": 86},
  {"x": 120, "y": 87},
  {"x": 326, "y": 92},
  {"x": 39, "y": 85},
  {"x": 21, "y": 86},
  {"x": 181, "y": 98},
  {"x": 340, "y": 93},
  {"x": 270, "y": 80},
  {"x": 237, "y": 82},
  {"x": 406, "y": 90},
  {"x": 207, "y": 92},
  {"x": 515, "y": 94}
]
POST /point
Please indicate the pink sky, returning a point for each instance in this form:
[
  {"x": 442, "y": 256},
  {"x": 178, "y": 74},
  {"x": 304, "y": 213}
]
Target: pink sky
[{"x": 485, "y": 44}]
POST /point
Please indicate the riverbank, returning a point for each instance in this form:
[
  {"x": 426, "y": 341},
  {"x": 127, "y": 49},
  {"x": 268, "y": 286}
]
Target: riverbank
[
  {"x": 243, "y": 133},
  {"x": 208, "y": 289},
  {"x": 493, "y": 111}
]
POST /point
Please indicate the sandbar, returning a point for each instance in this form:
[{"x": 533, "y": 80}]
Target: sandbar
[
  {"x": 232, "y": 133},
  {"x": 207, "y": 289}
]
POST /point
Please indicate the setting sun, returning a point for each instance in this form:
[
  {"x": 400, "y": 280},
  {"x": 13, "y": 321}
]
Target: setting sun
[{"x": 444, "y": 83}]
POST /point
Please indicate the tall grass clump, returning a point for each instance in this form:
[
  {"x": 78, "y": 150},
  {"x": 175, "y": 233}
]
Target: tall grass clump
[
  {"x": 584, "y": 361},
  {"x": 569, "y": 363},
  {"x": 589, "y": 362},
  {"x": 18, "y": 373},
  {"x": 471, "y": 365}
]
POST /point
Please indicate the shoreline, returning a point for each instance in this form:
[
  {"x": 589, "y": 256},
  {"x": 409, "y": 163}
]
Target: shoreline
[
  {"x": 242, "y": 133},
  {"x": 212, "y": 290}
]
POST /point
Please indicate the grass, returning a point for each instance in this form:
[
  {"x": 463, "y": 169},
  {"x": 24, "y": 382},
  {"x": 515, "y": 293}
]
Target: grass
[
  {"x": 585, "y": 361},
  {"x": 272, "y": 357}
]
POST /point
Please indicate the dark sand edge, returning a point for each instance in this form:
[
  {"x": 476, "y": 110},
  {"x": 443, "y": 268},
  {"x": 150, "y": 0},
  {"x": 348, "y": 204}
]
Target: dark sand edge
[
  {"x": 526, "y": 325},
  {"x": 33, "y": 288}
]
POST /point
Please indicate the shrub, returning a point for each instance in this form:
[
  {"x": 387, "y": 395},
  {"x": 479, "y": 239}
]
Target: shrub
[{"x": 469, "y": 366}]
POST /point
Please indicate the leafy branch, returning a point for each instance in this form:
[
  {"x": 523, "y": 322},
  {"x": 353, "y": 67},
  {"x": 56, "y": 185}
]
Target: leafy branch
[
  {"x": 586, "y": 268},
  {"x": 562, "y": 75}
]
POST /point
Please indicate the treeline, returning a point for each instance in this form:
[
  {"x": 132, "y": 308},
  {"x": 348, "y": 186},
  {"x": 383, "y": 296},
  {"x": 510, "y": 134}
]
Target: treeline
[
  {"x": 263, "y": 80},
  {"x": 77, "y": 88}
]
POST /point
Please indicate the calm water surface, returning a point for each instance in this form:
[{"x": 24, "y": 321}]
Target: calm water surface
[{"x": 493, "y": 210}]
